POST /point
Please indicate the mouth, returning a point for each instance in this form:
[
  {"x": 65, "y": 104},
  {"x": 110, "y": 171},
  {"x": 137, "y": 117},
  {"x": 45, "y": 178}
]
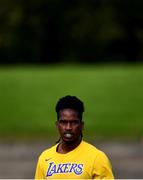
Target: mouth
[{"x": 68, "y": 135}]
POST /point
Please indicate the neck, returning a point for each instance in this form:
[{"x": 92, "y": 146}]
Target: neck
[{"x": 65, "y": 147}]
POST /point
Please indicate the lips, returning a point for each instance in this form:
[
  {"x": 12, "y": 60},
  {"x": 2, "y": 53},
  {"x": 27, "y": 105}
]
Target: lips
[{"x": 68, "y": 135}]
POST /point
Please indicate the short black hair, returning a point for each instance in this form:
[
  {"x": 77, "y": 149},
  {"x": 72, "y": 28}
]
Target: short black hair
[{"x": 70, "y": 102}]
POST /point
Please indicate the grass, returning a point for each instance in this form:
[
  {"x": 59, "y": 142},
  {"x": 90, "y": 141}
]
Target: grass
[{"x": 113, "y": 97}]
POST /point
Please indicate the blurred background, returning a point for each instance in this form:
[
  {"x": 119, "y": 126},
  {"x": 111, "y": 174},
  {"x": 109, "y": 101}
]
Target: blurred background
[{"x": 90, "y": 49}]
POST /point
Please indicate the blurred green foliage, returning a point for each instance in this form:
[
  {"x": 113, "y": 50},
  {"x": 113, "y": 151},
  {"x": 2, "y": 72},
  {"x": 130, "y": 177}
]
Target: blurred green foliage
[
  {"x": 112, "y": 95},
  {"x": 49, "y": 31}
]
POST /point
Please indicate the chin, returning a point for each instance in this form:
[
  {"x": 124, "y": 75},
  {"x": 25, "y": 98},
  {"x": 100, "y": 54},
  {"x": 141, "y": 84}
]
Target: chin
[{"x": 68, "y": 140}]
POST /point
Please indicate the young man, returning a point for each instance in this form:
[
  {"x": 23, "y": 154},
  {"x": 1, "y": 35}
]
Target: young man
[{"x": 72, "y": 157}]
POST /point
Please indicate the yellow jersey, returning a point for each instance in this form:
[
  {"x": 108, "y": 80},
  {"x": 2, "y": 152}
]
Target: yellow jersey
[{"x": 84, "y": 162}]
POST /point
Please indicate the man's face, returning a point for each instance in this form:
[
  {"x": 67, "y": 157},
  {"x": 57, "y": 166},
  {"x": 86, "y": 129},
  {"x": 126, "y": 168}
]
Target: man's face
[{"x": 69, "y": 125}]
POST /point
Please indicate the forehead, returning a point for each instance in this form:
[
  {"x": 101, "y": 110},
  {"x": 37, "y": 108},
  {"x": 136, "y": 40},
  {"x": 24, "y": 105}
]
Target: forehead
[{"x": 68, "y": 113}]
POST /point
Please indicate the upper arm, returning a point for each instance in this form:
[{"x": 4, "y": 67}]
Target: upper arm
[
  {"x": 39, "y": 171},
  {"x": 102, "y": 167}
]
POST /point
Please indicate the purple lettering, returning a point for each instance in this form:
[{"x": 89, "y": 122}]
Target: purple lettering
[
  {"x": 49, "y": 171},
  {"x": 73, "y": 167},
  {"x": 66, "y": 169},
  {"x": 60, "y": 170},
  {"x": 79, "y": 169}
]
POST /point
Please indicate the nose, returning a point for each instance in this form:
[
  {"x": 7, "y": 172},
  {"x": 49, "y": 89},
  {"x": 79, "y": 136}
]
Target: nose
[{"x": 68, "y": 126}]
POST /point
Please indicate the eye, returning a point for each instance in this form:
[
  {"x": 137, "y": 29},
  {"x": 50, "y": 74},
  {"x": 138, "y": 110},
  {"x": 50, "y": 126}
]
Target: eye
[
  {"x": 72, "y": 123},
  {"x": 62, "y": 122},
  {"x": 75, "y": 122}
]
